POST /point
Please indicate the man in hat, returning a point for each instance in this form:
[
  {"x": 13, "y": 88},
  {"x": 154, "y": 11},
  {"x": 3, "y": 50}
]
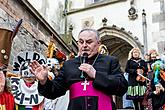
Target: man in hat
[
  {"x": 24, "y": 87},
  {"x": 6, "y": 98}
]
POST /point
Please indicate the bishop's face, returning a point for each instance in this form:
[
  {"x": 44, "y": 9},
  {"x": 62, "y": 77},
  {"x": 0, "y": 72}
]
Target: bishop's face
[
  {"x": 88, "y": 43},
  {"x": 2, "y": 82}
]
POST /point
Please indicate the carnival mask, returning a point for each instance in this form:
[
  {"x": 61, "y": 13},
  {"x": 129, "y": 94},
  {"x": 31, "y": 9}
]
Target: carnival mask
[
  {"x": 25, "y": 70},
  {"x": 53, "y": 63}
]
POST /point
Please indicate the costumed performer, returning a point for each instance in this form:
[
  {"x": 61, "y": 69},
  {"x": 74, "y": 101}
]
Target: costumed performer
[
  {"x": 24, "y": 88},
  {"x": 6, "y": 38},
  {"x": 54, "y": 66}
]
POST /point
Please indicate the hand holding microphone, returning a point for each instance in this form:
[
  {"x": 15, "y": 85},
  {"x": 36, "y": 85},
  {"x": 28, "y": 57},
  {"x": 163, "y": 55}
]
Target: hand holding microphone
[
  {"x": 84, "y": 58},
  {"x": 86, "y": 68}
]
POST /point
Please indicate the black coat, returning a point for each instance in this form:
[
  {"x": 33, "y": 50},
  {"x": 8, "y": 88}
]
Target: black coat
[
  {"x": 109, "y": 79},
  {"x": 157, "y": 100},
  {"x": 131, "y": 68}
]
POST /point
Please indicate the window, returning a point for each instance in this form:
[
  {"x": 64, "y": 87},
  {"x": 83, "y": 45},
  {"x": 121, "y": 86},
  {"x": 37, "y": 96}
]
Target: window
[
  {"x": 161, "y": 47},
  {"x": 97, "y": 0},
  {"x": 88, "y": 2}
]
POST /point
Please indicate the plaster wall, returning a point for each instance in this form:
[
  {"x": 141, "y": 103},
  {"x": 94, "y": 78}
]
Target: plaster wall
[{"x": 117, "y": 13}]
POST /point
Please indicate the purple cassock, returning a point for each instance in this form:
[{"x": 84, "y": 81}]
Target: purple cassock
[{"x": 86, "y": 89}]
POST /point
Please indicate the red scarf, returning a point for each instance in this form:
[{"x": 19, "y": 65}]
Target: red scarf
[{"x": 7, "y": 100}]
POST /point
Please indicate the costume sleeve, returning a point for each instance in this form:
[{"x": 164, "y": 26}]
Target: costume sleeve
[
  {"x": 53, "y": 89},
  {"x": 128, "y": 69},
  {"x": 112, "y": 83}
]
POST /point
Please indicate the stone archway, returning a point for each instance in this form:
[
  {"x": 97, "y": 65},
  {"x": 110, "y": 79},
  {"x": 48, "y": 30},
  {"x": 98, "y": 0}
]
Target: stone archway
[{"x": 119, "y": 43}]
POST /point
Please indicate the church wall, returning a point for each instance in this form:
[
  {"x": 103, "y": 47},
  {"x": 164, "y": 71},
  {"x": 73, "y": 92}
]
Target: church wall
[
  {"x": 117, "y": 13},
  {"x": 32, "y": 30},
  {"x": 52, "y": 11}
]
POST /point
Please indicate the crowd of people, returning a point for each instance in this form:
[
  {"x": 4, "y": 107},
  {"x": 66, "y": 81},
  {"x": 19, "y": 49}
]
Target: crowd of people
[
  {"x": 146, "y": 80},
  {"x": 87, "y": 81}
]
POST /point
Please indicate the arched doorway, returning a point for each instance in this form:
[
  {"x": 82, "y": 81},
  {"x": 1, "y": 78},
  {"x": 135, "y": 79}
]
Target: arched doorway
[{"x": 119, "y": 43}]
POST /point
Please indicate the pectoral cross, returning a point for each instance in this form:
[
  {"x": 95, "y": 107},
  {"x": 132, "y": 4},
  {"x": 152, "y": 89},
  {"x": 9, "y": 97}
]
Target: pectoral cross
[{"x": 85, "y": 83}]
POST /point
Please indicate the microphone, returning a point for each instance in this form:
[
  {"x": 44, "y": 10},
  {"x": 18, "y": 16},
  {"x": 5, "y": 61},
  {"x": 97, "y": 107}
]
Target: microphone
[{"x": 84, "y": 58}]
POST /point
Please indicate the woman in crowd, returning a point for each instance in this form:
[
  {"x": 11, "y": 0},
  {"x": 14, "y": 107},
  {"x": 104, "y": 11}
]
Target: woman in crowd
[
  {"x": 136, "y": 67},
  {"x": 157, "y": 93}
]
